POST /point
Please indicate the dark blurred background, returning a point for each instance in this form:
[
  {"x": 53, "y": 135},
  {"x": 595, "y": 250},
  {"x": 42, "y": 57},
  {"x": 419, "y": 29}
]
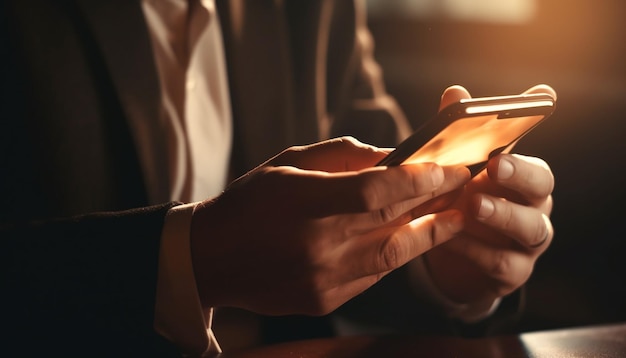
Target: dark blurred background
[{"x": 506, "y": 46}]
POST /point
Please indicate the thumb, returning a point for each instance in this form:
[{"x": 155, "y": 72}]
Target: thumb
[{"x": 452, "y": 95}]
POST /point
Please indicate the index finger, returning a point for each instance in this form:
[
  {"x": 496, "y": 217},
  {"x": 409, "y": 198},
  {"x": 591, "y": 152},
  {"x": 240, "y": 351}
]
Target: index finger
[{"x": 370, "y": 189}]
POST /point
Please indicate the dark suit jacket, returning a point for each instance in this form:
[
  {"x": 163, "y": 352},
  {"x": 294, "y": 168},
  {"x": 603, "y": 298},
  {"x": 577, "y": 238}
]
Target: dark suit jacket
[{"x": 82, "y": 149}]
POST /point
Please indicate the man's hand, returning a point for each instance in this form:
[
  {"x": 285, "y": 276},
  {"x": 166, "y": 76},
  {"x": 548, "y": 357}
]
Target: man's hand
[
  {"x": 315, "y": 226},
  {"x": 507, "y": 226}
]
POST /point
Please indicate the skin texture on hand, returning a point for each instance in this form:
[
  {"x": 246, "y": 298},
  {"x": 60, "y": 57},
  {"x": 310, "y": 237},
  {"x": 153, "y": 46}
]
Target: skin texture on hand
[
  {"x": 315, "y": 226},
  {"x": 507, "y": 208}
]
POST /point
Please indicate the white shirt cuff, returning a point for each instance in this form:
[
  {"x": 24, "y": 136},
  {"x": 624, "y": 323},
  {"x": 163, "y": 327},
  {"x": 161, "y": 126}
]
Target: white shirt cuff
[
  {"x": 423, "y": 285},
  {"x": 179, "y": 316}
]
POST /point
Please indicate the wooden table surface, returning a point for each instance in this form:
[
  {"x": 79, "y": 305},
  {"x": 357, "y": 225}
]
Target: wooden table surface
[{"x": 605, "y": 341}]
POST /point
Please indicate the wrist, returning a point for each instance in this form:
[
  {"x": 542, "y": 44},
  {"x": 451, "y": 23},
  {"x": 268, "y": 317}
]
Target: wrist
[
  {"x": 203, "y": 255},
  {"x": 179, "y": 315}
]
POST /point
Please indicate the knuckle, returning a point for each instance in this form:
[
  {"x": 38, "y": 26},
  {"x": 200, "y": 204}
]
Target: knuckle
[
  {"x": 289, "y": 155},
  {"x": 502, "y": 265},
  {"x": 391, "y": 254},
  {"x": 413, "y": 183},
  {"x": 370, "y": 194},
  {"x": 349, "y": 141},
  {"x": 270, "y": 172},
  {"x": 345, "y": 142},
  {"x": 275, "y": 180},
  {"x": 295, "y": 149},
  {"x": 418, "y": 188},
  {"x": 384, "y": 215},
  {"x": 507, "y": 215}
]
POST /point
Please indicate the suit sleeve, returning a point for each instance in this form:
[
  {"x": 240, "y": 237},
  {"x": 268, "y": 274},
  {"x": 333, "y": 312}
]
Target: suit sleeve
[{"x": 84, "y": 285}]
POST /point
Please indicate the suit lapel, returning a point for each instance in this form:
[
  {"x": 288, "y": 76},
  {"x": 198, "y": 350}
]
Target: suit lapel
[
  {"x": 308, "y": 23},
  {"x": 267, "y": 99},
  {"x": 121, "y": 33},
  {"x": 261, "y": 78}
]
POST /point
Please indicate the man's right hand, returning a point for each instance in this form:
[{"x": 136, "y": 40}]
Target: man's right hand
[{"x": 315, "y": 226}]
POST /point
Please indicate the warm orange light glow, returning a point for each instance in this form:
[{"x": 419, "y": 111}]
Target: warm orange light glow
[
  {"x": 494, "y": 11},
  {"x": 470, "y": 140},
  {"x": 497, "y": 11}
]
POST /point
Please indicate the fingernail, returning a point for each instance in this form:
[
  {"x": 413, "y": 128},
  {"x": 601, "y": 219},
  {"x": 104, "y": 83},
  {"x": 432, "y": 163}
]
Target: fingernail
[
  {"x": 505, "y": 169},
  {"x": 436, "y": 175},
  {"x": 485, "y": 209}
]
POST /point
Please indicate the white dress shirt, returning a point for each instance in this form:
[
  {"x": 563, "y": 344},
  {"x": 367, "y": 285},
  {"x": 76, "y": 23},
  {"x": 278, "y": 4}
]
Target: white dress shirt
[{"x": 187, "y": 45}]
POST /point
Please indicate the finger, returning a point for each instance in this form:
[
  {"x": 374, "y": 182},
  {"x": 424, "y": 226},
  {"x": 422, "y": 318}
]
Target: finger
[
  {"x": 374, "y": 255},
  {"x": 452, "y": 95},
  {"x": 509, "y": 268},
  {"x": 364, "y": 191},
  {"x": 529, "y": 176},
  {"x": 403, "y": 212},
  {"x": 528, "y": 226},
  {"x": 333, "y": 155},
  {"x": 542, "y": 88},
  {"x": 440, "y": 203}
]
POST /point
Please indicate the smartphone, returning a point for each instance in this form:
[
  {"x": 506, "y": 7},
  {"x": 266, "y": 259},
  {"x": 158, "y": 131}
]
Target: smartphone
[{"x": 471, "y": 131}]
